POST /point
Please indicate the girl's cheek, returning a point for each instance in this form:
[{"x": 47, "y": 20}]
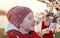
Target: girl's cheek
[{"x": 26, "y": 27}]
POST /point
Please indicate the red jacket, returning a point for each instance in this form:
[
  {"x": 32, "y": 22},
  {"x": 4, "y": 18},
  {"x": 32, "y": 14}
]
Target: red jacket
[
  {"x": 15, "y": 34},
  {"x": 47, "y": 35}
]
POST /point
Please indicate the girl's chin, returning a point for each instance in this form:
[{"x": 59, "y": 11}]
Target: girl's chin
[{"x": 31, "y": 30}]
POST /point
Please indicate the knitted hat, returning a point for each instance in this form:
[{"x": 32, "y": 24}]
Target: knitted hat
[{"x": 17, "y": 14}]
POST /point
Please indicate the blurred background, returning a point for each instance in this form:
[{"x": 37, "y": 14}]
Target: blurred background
[{"x": 38, "y": 6}]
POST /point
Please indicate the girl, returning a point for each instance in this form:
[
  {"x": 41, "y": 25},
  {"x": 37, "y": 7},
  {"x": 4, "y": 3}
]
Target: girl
[
  {"x": 46, "y": 32},
  {"x": 21, "y": 23}
]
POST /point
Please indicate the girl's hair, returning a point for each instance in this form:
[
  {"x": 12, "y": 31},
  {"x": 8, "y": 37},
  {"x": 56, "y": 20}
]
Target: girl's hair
[
  {"x": 57, "y": 9},
  {"x": 54, "y": 20},
  {"x": 49, "y": 14},
  {"x": 51, "y": 0}
]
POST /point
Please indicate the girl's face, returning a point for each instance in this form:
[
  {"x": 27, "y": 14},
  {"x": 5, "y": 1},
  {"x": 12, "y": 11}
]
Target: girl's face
[
  {"x": 51, "y": 18},
  {"x": 29, "y": 23}
]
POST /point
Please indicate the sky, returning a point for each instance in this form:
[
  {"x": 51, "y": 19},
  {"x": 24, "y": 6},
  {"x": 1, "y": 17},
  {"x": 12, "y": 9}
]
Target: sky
[{"x": 33, "y": 4}]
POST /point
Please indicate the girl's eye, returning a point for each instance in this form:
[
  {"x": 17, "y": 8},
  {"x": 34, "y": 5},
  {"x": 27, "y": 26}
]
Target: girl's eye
[{"x": 30, "y": 18}]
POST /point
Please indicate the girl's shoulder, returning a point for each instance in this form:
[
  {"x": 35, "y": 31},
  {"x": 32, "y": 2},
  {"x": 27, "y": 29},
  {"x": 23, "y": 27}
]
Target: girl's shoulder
[
  {"x": 14, "y": 34},
  {"x": 10, "y": 27}
]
